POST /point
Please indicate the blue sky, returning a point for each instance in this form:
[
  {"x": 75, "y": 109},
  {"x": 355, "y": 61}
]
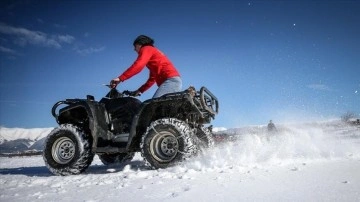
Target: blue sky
[{"x": 279, "y": 60}]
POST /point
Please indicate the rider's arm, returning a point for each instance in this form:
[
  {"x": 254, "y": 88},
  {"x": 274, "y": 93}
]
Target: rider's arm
[
  {"x": 143, "y": 58},
  {"x": 148, "y": 83}
]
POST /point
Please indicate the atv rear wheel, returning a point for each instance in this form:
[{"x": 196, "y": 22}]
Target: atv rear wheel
[
  {"x": 110, "y": 159},
  {"x": 67, "y": 150},
  {"x": 166, "y": 142}
]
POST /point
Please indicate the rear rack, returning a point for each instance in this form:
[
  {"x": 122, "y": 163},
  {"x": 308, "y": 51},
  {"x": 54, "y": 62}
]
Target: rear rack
[{"x": 208, "y": 101}]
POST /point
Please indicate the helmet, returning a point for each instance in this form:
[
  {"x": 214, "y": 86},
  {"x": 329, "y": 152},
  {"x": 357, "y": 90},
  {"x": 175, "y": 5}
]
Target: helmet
[{"x": 144, "y": 41}]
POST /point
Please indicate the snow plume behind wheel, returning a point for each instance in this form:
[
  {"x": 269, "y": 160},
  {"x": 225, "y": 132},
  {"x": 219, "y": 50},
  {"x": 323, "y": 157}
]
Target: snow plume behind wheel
[
  {"x": 166, "y": 142},
  {"x": 67, "y": 150}
]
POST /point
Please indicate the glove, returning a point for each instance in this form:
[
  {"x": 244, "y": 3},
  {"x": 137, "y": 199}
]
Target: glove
[{"x": 114, "y": 82}]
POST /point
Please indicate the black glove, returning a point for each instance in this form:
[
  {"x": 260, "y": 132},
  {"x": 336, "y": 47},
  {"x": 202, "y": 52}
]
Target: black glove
[{"x": 114, "y": 83}]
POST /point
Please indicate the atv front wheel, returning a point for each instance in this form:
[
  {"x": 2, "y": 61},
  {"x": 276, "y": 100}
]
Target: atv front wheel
[
  {"x": 166, "y": 142},
  {"x": 67, "y": 150},
  {"x": 109, "y": 159}
]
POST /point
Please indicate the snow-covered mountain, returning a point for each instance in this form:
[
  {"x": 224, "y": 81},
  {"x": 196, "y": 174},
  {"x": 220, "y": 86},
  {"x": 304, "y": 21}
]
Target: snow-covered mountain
[{"x": 20, "y": 140}]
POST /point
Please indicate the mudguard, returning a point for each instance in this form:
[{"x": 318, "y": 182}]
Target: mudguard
[
  {"x": 188, "y": 106},
  {"x": 81, "y": 112}
]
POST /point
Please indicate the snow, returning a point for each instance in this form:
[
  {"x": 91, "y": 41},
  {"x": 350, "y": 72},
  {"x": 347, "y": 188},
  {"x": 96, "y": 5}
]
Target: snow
[
  {"x": 302, "y": 162},
  {"x": 218, "y": 129}
]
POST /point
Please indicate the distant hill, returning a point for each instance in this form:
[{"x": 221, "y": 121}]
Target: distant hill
[{"x": 22, "y": 141}]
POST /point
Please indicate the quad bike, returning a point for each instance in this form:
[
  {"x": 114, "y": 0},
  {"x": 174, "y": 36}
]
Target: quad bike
[{"x": 166, "y": 130}]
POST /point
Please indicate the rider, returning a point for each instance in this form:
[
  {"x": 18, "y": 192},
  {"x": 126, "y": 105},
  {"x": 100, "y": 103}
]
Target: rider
[
  {"x": 271, "y": 126},
  {"x": 162, "y": 71}
]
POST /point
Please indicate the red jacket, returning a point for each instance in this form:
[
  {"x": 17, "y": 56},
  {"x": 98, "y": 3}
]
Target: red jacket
[{"x": 159, "y": 65}]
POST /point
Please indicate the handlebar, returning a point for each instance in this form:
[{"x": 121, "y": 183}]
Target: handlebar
[
  {"x": 126, "y": 92},
  {"x": 114, "y": 93}
]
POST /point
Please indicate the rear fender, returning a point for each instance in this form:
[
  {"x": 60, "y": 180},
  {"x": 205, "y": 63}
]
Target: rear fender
[{"x": 176, "y": 105}]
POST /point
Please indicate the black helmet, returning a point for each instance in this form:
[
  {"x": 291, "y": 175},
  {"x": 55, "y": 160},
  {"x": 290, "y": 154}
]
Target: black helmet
[{"x": 144, "y": 41}]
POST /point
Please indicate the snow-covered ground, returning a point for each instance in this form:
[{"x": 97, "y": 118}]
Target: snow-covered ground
[{"x": 301, "y": 162}]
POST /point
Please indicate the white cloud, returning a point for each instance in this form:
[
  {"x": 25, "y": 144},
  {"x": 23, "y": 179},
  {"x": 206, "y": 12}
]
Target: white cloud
[
  {"x": 58, "y": 26},
  {"x": 66, "y": 38},
  {"x": 41, "y": 21},
  {"x": 87, "y": 51},
  {"x": 320, "y": 87},
  {"x": 7, "y": 50},
  {"x": 23, "y": 37}
]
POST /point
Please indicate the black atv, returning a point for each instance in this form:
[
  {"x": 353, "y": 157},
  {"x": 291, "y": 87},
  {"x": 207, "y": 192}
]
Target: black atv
[{"x": 166, "y": 130}]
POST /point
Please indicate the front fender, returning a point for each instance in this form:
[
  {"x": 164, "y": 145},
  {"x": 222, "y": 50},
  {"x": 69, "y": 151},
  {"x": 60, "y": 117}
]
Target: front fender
[{"x": 89, "y": 115}]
